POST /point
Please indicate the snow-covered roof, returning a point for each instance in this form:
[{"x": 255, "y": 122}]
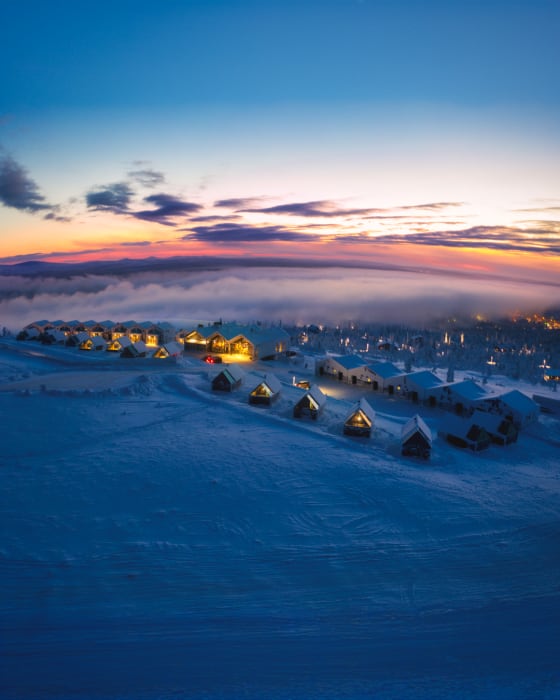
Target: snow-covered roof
[
  {"x": 424, "y": 379},
  {"x": 38, "y": 323},
  {"x": 203, "y": 331},
  {"x": 467, "y": 389},
  {"x": 124, "y": 341},
  {"x": 173, "y": 347},
  {"x": 272, "y": 382},
  {"x": 140, "y": 346},
  {"x": 491, "y": 422},
  {"x": 81, "y": 336},
  {"x": 257, "y": 334},
  {"x": 234, "y": 373},
  {"x": 363, "y": 406},
  {"x": 349, "y": 361},
  {"x": 415, "y": 424},
  {"x": 519, "y": 402},
  {"x": 385, "y": 369},
  {"x": 460, "y": 427},
  {"x": 56, "y": 334},
  {"x": 315, "y": 393}
]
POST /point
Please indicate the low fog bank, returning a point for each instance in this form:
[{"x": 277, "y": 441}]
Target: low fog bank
[{"x": 290, "y": 295}]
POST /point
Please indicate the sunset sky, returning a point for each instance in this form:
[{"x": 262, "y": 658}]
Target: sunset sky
[{"x": 420, "y": 133}]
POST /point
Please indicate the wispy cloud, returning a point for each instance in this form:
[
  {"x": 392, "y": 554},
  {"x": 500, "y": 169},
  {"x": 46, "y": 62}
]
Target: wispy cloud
[
  {"x": 542, "y": 210},
  {"x": 244, "y": 233},
  {"x": 331, "y": 208},
  {"x": 114, "y": 198},
  {"x": 167, "y": 208},
  {"x": 318, "y": 208},
  {"x": 147, "y": 177},
  {"x": 53, "y": 216},
  {"x": 214, "y": 217},
  {"x": 18, "y": 190},
  {"x": 544, "y": 237},
  {"x": 118, "y": 198},
  {"x": 433, "y": 206},
  {"x": 239, "y": 202}
]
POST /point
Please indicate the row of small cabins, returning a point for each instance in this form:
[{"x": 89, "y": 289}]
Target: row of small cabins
[
  {"x": 498, "y": 416},
  {"x": 141, "y": 339},
  {"x": 416, "y": 437},
  {"x": 476, "y": 432},
  {"x": 424, "y": 387}
]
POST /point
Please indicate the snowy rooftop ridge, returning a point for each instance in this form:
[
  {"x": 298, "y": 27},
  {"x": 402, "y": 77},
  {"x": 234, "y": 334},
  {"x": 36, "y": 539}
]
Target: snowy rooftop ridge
[{"x": 416, "y": 423}]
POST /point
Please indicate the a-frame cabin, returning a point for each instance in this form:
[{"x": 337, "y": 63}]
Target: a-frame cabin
[{"x": 360, "y": 421}]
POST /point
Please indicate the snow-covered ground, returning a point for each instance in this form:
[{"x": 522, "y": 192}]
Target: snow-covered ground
[{"x": 160, "y": 540}]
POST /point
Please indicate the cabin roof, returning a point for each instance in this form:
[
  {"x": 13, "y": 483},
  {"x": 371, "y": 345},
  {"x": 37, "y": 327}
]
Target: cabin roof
[
  {"x": 253, "y": 333},
  {"x": 173, "y": 347},
  {"x": 491, "y": 422},
  {"x": 233, "y": 373},
  {"x": 316, "y": 394},
  {"x": 384, "y": 369},
  {"x": 82, "y": 335},
  {"x": 349, "y": 361},
  {"x": 424, "y": 379},
  {"x": 414, "y": 425},
  {"x": 364, "y": 406},
  {"x": 272, "y": 382},
  {"x": 124, "y": 341},
  {"x": 460, "y": 427},
  {"x": 519, "y": 402},
  {"x": 467, "y": 389}
]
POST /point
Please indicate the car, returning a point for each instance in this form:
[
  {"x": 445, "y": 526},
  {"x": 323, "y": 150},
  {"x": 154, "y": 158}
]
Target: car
[{"x": 212, "y": 359}]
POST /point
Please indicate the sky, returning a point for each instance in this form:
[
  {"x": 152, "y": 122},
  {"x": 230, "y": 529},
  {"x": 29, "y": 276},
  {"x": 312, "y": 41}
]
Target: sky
[{"x": 420, "y": 134}]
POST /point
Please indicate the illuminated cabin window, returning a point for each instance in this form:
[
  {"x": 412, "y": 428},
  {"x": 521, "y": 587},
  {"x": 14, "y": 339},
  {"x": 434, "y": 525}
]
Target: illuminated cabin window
[
  {"x": 135, "y": 337},
  {"x": 359, "y": 419},
  {"x": 261, "y": 390},
  {"x": 152, "y": 339}
]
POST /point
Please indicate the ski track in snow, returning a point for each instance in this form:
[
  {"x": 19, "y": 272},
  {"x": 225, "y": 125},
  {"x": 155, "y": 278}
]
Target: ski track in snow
[{"x": 163, "y": 541}]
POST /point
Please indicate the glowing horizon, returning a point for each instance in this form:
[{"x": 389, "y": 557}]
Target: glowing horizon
[{"x": 344, "y": 157}]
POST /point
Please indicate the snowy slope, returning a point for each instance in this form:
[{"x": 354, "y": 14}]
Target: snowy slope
[{"x": 163, "y": 541}]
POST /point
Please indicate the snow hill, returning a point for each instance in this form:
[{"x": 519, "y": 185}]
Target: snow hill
[{"x": 160, "y": 540}]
